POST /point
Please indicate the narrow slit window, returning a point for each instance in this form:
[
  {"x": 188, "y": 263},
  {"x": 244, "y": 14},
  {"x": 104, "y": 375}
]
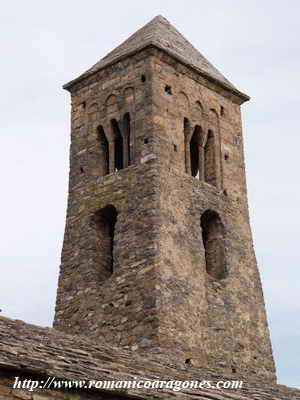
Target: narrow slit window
[
  {"x": 210, "y": 159},
  {"x": 213, "y": 242},
  {"x": 118, "y": 141},
  {"x": 195, "y": 152},
  {"x": 104, "y": 152},
  {"x": 127, "y": 136},
  {"x": 106, "y": 219},
  {"x": 186, "y": 132}
]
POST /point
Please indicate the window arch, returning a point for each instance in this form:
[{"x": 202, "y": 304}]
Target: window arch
[
  {"x": 195, "y": 153},
  {"x": 104, "y": 151},
  {"x": 210, "y": 170},
  {"x": 127, "y": 138},
  {"x": 213, "y": 242},
  {"x": 106, "y": 219},
  {"x": 112, "y": 104},
  {"x": 118, "y": 145}
]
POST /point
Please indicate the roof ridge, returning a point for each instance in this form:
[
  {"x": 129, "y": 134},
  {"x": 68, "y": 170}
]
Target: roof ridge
[{"x": 161, "y": 33}]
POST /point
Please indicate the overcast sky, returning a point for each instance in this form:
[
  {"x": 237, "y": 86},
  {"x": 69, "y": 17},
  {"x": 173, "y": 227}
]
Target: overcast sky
[{"x": 255, "y": 44}]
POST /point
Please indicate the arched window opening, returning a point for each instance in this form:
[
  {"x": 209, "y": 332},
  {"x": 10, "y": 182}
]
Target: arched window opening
[
  {"x": 118, "y": 139},
  {"x": 213, "y": 241},
  {"x": 106, "y": 219},
  {"x": 104, "y": 152},
  {"x": 195, "y": 152},
  {"x": 210, "y": 159},
  {"x": 126, "y": 124}
]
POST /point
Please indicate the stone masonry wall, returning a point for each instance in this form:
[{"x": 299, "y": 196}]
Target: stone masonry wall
[
  {"x": 160, "y": 297},
  {"x": 120, "y": 308},
  {"x": 213, "y": 322}
]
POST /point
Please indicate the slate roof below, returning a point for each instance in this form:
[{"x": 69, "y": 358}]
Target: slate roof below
[{"x": 45, "y": 351}]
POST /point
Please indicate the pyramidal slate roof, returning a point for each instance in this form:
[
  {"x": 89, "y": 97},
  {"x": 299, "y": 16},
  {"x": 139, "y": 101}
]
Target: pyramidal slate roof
[{"x": 163, "y": 35}]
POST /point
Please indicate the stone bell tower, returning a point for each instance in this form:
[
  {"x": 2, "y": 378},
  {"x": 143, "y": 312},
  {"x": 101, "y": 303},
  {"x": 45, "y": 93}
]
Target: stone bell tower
[{"x": 158, "y": 253}]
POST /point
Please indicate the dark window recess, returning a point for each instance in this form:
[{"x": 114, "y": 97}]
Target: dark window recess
[
  {"x": 226, "y": 156},
  {"x": 186, "y": 131},
  {"x": 105, "y": 219},
  {"x": 143, "y": 78},
  {"x": 222, "y": 111},
  {"x": 213, "y": 241},
  {"x": 119, "y": 162},
  {"x": 194, "y": 151},
  {"x": 175, "y": 147},
  {"x": 81, "y": 170},
  {"x": 210, "y": 160},
  {"x": 103, "y": 161},
  {"x": 146, "y": 140},
  {"x": 168, "y": 89},
  {"x": 126, "y": 124}
]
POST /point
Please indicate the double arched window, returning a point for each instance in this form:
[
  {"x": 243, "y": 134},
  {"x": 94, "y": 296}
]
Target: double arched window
[
  {"x": 200, "y": 154},
  {"x": 114, "y": 146}
]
